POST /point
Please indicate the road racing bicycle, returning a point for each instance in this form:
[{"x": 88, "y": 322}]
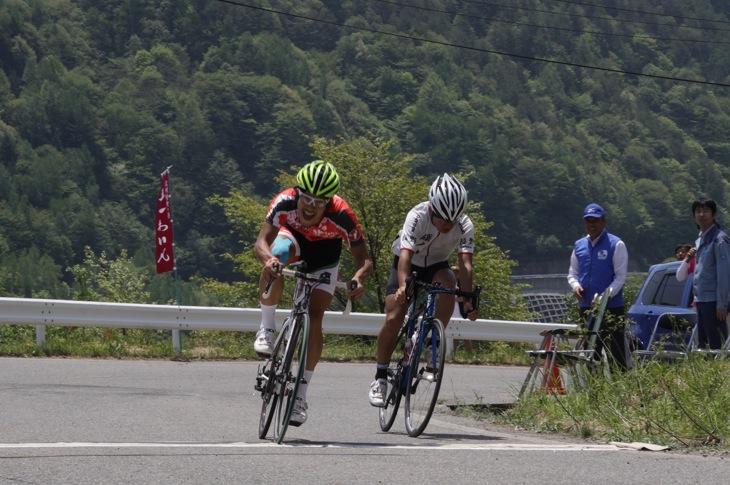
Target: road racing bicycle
[
  {"x": 417, "y": 365},
  {"x": 279, "y": 377}
]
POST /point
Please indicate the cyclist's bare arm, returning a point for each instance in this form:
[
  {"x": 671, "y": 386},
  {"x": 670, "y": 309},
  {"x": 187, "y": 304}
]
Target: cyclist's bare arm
[
  {"x": 364, "y": 267},
  {"x": 262, "y": 247},
  {"x": 404, "y": 271},
  {"x": 466, "y": 280}
]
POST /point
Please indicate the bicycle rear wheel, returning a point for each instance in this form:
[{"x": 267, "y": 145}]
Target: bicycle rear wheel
[
  {"x": 292, "y": 369},
  {"x": 387, "y": 414},
  {"x": 397, "y": 375},
  {"x": 269, "y": 383},
  {"x": 396, "y": 384},
  {"x": 425, "y": 376}
]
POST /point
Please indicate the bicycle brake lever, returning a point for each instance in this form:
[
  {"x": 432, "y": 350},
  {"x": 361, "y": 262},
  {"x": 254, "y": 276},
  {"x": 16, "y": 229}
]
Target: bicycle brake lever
[
  {"x": 267, "y": 290},
  {"x": 351, "y": 285}
]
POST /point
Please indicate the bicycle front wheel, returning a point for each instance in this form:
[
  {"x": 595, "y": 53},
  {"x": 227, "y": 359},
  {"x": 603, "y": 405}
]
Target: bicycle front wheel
[
  {"x": 294, "y": 362},
  {"x": 270, "y": 377},
  {"x": 425, "y": 376}
]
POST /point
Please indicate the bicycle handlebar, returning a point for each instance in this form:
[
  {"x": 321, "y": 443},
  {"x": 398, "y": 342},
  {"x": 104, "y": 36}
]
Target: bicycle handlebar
[
  {"x": 412, "y": 283},
  {"x": 322, "y": 279}
]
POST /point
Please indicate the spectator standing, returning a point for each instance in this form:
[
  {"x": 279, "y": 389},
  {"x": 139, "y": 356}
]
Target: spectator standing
[
  {"x": 600, "y": 261},
  {"x": 711, "y": 283}
]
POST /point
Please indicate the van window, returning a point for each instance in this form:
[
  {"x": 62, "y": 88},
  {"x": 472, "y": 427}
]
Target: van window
[
  {"x": 652, "y": 286},
  {"x": 667, "y": 290}
]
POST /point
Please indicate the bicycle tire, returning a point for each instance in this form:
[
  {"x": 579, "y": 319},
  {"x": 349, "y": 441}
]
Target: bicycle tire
[
  {"x": 271, "y": 374},
  {"x": 295, "y": 358},
  {"x": 396, "y": 378},
  {"x": 424, "y": 380}
]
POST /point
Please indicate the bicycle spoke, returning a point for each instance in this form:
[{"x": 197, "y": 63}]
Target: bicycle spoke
[{"x": 427, "y": 367}]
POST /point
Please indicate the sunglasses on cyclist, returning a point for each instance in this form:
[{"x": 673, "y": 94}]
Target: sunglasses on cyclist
[{"x": 312, "y": 201}]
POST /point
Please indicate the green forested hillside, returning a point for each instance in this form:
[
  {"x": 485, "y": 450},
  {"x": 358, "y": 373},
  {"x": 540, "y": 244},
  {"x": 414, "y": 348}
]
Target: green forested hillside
[{"x": 551, "y": 104}]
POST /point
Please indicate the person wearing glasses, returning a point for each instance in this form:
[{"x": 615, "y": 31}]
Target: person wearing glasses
[
  {"x": 307, "y": 222},
  {"x": 431, "y": 232}
]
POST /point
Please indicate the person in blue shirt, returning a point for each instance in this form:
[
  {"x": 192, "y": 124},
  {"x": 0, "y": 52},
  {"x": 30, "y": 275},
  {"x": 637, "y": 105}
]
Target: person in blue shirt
[
  {"x": 600, "y": 261},
  {"x": 711, "y": 284}
]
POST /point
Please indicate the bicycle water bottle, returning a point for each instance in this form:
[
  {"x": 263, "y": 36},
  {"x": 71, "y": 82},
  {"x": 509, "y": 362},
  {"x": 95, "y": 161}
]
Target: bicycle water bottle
[
  {"x": 410, "y": 343},
  {"x": 407, "y": 352}
]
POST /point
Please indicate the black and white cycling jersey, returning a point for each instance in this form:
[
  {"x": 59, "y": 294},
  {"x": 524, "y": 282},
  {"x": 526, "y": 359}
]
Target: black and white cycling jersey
[{"x": 430, "y": 246}]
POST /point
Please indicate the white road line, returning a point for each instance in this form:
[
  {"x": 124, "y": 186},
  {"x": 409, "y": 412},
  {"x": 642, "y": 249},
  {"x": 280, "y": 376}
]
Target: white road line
[{"x": 447, "y": 447}]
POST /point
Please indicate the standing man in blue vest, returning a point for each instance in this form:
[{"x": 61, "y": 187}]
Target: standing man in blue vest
[{"x": 600, "y": 261}]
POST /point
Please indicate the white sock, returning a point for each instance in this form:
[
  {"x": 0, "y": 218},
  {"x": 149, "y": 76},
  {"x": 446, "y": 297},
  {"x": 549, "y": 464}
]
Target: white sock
[
  {"x": 268, "y": 312},
  {"x": 302, "y": 392}
]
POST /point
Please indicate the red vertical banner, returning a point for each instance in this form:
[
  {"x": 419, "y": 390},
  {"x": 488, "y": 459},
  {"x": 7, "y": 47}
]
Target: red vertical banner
[{"x": 164, "y": 247}]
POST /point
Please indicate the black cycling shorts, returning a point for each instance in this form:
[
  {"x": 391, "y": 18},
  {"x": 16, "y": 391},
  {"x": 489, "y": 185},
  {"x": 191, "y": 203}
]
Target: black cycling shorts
[{"x": 423, "y": 274}]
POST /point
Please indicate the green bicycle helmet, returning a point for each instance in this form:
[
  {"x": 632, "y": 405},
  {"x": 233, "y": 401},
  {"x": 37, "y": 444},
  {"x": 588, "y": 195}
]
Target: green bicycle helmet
[{"x": 319, "y": 178}]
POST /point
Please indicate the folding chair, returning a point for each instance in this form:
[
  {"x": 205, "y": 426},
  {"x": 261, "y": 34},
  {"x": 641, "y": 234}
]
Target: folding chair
[
  {"x": 717, "y": 353},
  {"x": 673, "y": 337},
  {"x": 556, "y": 353}
]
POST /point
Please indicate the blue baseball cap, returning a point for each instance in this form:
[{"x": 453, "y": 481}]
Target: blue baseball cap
[{"x": 594, "y": 210}]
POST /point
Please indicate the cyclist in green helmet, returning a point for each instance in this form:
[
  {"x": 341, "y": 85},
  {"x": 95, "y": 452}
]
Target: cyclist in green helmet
[{"x": 308, "y": 222}]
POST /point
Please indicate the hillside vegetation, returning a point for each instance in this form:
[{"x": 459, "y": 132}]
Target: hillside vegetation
[{"x": 548, "y": 104}]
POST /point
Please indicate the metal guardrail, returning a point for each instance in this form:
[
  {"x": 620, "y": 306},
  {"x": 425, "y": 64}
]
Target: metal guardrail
[{"x": 42, "y": 313}]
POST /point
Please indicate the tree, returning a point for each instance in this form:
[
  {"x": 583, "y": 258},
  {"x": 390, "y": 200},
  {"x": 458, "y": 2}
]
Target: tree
[
  {"x": 377, "y": 183},
  {"x": 102, "y": 279}
]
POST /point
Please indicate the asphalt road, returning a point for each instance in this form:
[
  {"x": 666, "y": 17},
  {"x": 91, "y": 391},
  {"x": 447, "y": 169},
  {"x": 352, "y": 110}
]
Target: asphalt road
[{"x": 72, "y": 421}]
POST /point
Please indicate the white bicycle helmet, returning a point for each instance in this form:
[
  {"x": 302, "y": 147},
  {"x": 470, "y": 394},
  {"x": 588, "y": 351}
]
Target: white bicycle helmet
[{"x": 447, "y": 197}]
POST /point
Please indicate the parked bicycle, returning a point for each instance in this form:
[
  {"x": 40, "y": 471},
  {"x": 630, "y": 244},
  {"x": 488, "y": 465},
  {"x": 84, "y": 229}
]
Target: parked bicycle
[
  {"x": 417, "y": 364},
  {"x": 279, "y": 377}
]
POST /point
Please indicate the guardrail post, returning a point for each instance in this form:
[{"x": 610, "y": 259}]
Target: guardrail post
[
  {"x": 40, "y": 335},
  {"x": 176, "y": 341}
]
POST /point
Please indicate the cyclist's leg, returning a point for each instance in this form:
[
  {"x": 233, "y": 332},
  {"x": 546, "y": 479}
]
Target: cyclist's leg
[
  {"x": 386, "y": 344},
  {"x": 286, "y": 249},
  {"x": 394, "y": 314},
  {"x": 318, "y": 303},
  {"x": 445, "y": 303}
]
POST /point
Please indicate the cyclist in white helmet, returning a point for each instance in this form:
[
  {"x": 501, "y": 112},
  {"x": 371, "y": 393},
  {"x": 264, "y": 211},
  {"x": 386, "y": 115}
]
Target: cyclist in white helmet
[{"x": 431, "y": 232}]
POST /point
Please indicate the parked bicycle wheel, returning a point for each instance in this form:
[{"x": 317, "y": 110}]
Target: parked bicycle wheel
[
  {"x": 396, "y": 384},
  {"x": 425, "y": 376},
  {"x": 292, "y": 368},
  {"x": 269, "y": 384}
]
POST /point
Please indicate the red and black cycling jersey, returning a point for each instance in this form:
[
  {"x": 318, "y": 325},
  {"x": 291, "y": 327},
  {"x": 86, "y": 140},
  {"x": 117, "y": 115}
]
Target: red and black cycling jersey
[{"x": 320, "y": 244}]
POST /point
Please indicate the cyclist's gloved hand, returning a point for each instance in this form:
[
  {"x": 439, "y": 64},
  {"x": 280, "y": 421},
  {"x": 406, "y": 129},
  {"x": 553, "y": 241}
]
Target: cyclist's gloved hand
[
  {"x": 468, "y": 310},
  {"x": 280, "y": 249}
]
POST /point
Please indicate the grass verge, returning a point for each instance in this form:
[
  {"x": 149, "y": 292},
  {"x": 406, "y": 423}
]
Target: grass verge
[{"x": 683, "y": 404}]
